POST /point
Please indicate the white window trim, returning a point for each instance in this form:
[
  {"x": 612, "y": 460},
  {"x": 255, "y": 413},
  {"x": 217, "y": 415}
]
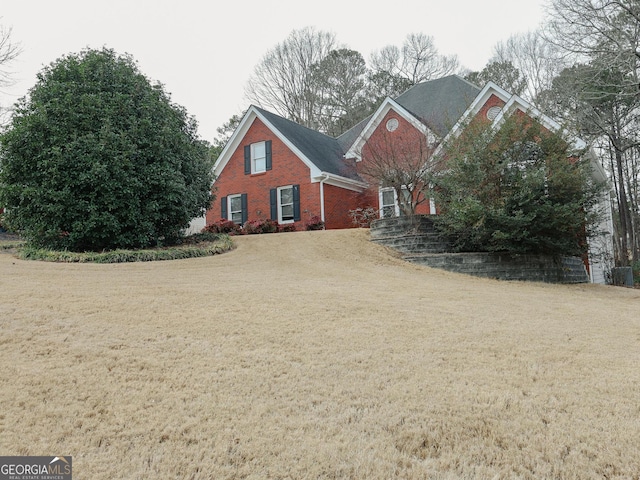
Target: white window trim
[
  {"x": 279, "y": 203},
  {"x": 254, "y": 158},
  {"x": 230, "y": 212},
  {"x": 396, "y": 205}
]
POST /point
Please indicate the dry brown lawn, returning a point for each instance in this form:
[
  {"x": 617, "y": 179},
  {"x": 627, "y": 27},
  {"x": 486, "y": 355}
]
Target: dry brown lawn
[{"x": 315, "y": 355}]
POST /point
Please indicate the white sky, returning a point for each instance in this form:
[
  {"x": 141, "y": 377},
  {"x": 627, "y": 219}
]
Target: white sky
[{"x": 204, "y": 52}]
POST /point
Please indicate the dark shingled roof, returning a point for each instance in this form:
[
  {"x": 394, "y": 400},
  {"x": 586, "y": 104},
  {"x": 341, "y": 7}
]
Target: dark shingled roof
[
  {"x": 325, "y": 152},
  {"x": 437, "y": 103},
  {"x": 440, "y": 103}
]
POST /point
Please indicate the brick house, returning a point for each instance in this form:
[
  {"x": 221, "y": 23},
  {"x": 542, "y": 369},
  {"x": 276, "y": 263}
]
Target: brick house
[{"x": 274, "y": 168}]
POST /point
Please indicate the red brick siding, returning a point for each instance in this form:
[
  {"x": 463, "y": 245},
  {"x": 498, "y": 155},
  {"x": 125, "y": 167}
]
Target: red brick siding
[
  {"x": 337, "y": 203},
  {"x": 287, "y": 169},
  {"x": 380, "y": 137},
  {"x": 491, "y": 102}
]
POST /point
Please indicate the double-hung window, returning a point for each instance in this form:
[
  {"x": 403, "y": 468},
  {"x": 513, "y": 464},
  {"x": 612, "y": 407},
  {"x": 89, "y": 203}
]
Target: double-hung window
[
  {"x": 389, "y": 205},
  {"x": 285, "y": 204},
  {"x": 257, "y": 157},
  {"x": 234, "y": 208}
]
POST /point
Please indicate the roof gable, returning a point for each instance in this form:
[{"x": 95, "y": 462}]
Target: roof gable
[
  {"x": 374, "y": 121},
  {"x": 433, "y": 107},
  {"x": 321, "y": 153},
  {"x": 511, "y": 104}
]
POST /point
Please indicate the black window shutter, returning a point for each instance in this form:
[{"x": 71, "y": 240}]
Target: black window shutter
[
  {"x": 296, "y": 203},
  {"x": 243, "y": 201},
  {"x": 223, "y": 207},
  {"x": 247, "y": 159},
  {"x": 273, "y": 199},
  {"x": 267, "y": 149}
]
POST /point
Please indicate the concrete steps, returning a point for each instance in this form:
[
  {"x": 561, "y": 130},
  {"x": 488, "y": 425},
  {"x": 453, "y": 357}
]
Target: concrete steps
[{"x": 409, "y": 235}]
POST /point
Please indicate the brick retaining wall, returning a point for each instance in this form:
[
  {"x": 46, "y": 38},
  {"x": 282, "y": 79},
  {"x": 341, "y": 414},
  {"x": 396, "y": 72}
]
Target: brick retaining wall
[{"x": 419, "y": 242}]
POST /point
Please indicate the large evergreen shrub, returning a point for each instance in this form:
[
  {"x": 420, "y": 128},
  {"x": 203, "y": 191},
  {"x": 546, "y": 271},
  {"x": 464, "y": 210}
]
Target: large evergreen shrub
[
  {"x": 97, "y": 157},
  {"x": 518, "y": 189}
]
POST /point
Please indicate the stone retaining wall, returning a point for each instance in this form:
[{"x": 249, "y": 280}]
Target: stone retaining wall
[{"x": 419, "y": 242}]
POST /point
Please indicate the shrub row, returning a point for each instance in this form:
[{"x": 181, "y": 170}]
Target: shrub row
[
  {"x": 255, "y": 227},
  {"x": 197, "y": 248}
]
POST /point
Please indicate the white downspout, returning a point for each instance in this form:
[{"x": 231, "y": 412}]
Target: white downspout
[{"x": 324, "y": 177}]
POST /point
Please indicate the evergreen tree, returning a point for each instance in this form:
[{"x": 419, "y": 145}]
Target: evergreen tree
[
  {"x": 519, "y": 189},
  {"x": 96, "y": 157}
]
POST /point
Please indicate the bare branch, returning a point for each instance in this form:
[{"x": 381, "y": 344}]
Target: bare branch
[{"x": 9, "y": 51}]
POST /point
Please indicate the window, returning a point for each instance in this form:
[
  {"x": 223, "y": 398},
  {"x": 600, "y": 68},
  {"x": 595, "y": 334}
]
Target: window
[
  {"x": 285, "y": 204},
  {"x": 257, "y": 157},
  {"x": 234, "y": 208},
  {"x": 493, "y": 112},
  {"x": 389, "y": 205}
]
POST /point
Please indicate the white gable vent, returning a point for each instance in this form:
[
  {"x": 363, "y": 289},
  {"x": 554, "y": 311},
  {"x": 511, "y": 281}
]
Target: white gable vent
[
  {"x": 392, "y": 124},
  {"x": 493, "y": 112}
]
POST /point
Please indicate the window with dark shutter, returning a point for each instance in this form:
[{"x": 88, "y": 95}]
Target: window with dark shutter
[
  {"x": 245, "y": 212},
  {"x": 223, "y": 207},
  {"x": 257, "y": 157},
  {"x": 247, "y": 159},
  {"x": 287, "y": 204},
  {"x": 296, "y": 203},
  {"x": 273, "y": 202},
  {"x": 267, "y": 147},
  {"x": 236, "y": 209}
]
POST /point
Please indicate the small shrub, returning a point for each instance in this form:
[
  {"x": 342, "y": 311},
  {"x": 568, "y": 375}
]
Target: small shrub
[
  {"x": 253, "y": 227},
  {"x": 223, "y": 226},
  {"x": 362, "y": 217},
  {"x": 197, "y": 238},
  {"x": 287, "y": 227},
  {"x": 315, "y": 223}
]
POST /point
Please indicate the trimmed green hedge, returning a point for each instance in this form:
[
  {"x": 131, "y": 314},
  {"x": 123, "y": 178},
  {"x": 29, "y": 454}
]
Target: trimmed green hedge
[{"x": 222, "y": 244}]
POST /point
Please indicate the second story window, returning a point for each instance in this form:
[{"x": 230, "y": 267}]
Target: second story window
[{"x": 257, "y": 157}]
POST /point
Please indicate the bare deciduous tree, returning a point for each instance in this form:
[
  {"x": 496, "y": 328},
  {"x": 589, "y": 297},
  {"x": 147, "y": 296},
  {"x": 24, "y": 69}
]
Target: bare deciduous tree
[
  {"x": 9, "y": 51},
  {"x": 401, "y": 160},
  {"x": 417, "y": 61},
  {"x": 603, "y": 36},
  {"x": 538, "y": 61},
  {"x": 283, "y": 80},
  {"x": 598, "y": 28}
]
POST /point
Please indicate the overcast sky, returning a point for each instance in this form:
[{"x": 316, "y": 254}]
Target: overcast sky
[{"x": 204, "y": 51}]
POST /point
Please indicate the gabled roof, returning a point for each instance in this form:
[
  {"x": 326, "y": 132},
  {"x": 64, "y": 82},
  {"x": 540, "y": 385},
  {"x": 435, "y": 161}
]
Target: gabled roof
[
  {"x": 322, "y": 154},
  {"x": 437, "y": 107},
  {"x": 439, "y": 103},
  {"x": 323, "y": 151},
  {"x": 433, "y": 107}
]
